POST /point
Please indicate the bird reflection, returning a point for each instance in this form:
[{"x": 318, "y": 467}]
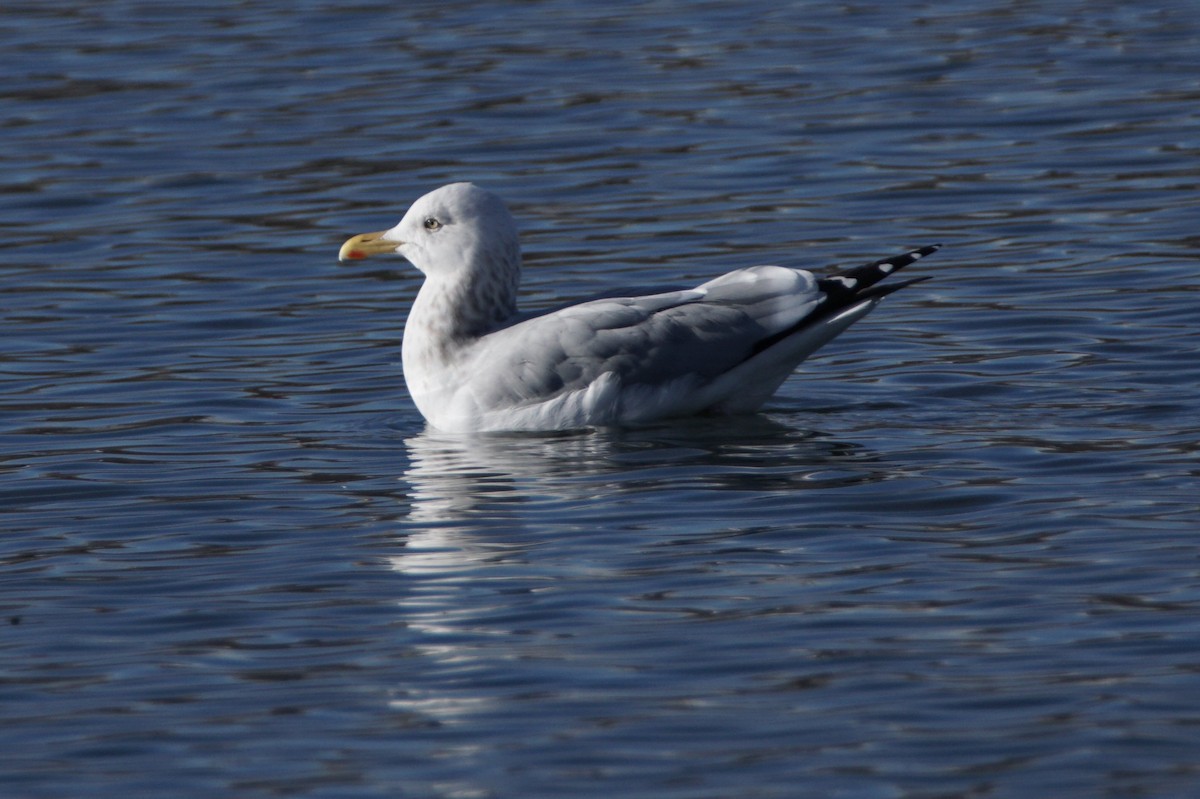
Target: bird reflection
[
  {"x": 496, "y": 522},
  {"x": 467, "y": 543}
]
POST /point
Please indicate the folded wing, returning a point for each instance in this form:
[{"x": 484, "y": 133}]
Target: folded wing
[{"x": 744, "y": 331}]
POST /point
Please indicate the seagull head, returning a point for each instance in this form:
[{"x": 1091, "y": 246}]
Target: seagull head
[{"x": 455, "y": 228}]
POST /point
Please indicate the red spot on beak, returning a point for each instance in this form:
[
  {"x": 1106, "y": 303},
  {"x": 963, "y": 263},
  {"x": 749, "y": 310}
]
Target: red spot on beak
[{"x": 356, "y": 254}]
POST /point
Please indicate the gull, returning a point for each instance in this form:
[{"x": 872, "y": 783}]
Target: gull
[{"x": 473, "y": 363}]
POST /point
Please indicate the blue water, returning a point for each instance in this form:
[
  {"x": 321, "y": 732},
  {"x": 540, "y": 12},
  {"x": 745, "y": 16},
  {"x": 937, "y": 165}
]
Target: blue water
[{"x": 957, "y": 556}]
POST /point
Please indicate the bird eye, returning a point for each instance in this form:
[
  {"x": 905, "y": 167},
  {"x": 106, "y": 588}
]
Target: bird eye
[{"x": 432, "y": 224}]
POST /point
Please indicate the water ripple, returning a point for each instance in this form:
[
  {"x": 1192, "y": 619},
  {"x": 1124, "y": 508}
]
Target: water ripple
[{"x": 955, "y": 556}]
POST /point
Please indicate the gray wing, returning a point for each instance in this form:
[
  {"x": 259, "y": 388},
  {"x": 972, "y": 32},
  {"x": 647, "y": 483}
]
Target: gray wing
[{"x": 694, "y": 335}]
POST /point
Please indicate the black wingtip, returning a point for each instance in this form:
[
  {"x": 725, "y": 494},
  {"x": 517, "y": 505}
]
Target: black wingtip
[
  {"x": 851, "y": 286},
  {"x": 856, "y": 282}
]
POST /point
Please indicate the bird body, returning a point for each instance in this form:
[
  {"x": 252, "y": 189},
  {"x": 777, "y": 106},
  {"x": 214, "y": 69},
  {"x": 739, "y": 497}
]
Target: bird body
[{"x": 473, "y": 363}]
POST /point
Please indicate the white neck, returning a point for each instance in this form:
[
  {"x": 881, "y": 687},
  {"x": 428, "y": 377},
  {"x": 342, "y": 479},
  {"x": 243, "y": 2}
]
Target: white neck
[{"x": 451, "y": 313}]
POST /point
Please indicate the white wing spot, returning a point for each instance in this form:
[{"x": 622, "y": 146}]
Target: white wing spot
[
  {"x": 886, "y": 268},
  {"x": 916, "y": 256},
  {"x": 848, "y": 282}
]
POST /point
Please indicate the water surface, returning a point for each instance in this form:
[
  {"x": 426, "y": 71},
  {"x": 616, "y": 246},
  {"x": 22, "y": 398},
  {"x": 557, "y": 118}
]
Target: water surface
[{"x": 956, "y": 556}]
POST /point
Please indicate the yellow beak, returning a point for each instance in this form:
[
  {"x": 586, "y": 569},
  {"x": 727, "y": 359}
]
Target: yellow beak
[{"x": 365, "y": 245}]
